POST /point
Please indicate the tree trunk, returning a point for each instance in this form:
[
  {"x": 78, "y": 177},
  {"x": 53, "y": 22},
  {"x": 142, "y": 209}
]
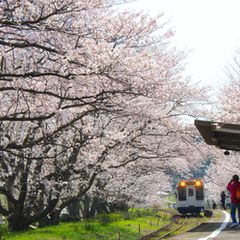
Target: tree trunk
[
  {"x": 55, "y": 217},
  {"x": 74, "y": 210},
  {"x": 86, "y": 201},
  {"x": 17, "y": 223},
  {"x": 45, "y": 221}
]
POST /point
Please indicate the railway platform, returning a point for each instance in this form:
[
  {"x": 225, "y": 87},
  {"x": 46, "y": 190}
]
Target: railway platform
[{"x": 212, "y": 230}]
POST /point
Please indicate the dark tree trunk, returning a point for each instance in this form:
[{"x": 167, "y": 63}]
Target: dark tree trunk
[
  {"x": 17, "y": 223},
  {"x": 86, "y": 211},
  {"x": 45, "y": 221},
  {"x": 74, "y": 210},
  {"x": 55, "y": 217}
]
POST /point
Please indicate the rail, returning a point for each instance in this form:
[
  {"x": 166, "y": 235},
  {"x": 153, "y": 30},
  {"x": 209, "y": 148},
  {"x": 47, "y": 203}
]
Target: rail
[
  {"x": 154, "y": 235},
  {"x": 172, "y": 231}
]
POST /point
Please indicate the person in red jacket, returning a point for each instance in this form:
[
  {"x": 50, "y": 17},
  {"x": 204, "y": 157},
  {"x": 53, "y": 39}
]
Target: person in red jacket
[{"x": 235, "y": 203}]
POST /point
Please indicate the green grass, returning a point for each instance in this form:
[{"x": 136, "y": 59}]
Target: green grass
[{"x": 103, "y": 227}]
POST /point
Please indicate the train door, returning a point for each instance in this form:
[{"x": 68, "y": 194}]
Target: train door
[{"x": 191, "y": 195}]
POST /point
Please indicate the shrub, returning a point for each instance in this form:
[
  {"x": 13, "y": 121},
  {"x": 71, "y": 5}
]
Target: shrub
[
  {"x": 103, "y": 219},
  {"x": 3, "y": 231},
  {"x": 88, "y": 226}
]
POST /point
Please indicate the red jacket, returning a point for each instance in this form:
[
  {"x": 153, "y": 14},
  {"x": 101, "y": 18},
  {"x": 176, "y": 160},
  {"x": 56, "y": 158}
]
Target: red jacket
[{"x": 231, "y": 187}]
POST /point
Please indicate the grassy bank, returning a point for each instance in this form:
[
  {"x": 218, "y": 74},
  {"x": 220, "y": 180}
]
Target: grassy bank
[{"x": 128, "y": 225}]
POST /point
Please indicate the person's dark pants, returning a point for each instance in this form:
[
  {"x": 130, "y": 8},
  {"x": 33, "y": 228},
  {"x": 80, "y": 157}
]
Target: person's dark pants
[{"x": 235, "y": 207}]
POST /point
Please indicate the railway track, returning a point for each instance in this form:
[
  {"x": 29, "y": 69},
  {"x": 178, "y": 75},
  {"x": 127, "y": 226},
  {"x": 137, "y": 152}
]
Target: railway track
[
  {"x": 172, "y": 231},
  {"x": 175, "y": 219}
]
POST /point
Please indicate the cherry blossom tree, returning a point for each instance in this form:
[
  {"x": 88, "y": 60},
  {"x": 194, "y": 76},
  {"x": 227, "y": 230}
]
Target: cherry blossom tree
[
  {"x": 224, "y": 167},
  {"x": 83, "y": 89},
  {"x": 229, "y": 102},
  {"x": 152, "y": 171}
]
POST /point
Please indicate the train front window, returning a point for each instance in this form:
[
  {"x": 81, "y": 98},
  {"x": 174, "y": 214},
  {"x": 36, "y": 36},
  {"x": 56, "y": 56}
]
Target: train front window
[
  {"x": 190, "y": 192},
  {"x": 182, "y": 194},
  {"x": 199, "y": 194}
]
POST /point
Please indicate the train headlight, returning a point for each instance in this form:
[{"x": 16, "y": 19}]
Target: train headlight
[
  {"x": 182, "y": 184},
  {"x": 198, "y": 184}
]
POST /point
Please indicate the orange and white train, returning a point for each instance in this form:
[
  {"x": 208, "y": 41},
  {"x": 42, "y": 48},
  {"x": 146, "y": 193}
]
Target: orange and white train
[{"x": 190, "y": 196}]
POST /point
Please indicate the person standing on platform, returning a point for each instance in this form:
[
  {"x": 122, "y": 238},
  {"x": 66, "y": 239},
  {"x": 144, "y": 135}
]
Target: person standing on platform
[
  {"x": 223, "y": 200},
  {"x": 233, "y": 187}
]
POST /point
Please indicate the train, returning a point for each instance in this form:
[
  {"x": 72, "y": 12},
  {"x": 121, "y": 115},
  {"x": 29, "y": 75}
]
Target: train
[{"x": 190, "y": 196}]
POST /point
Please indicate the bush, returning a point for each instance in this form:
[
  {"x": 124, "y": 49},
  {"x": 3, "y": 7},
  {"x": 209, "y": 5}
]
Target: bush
[
  {"x": 103, "y": 219},
  {"x": 126, "y": 215},
  {"x": 68, "y": 218},
  {"x": 3, "y": 231},
  {"x": 156, "y": 208},
  {"x": 88, "y": 226},
  {"x": 138, "y": 213}
]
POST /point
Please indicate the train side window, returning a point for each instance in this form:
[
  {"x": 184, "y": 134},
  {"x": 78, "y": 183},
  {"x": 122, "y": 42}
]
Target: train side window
[
  {"x": 199, "y": 194},
  {"x": 182, "y": 194},
  {"x": 190, "y": 192}
]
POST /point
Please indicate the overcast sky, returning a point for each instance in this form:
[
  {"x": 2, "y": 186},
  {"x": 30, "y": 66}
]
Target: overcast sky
[{"x": 210, "y": 28}]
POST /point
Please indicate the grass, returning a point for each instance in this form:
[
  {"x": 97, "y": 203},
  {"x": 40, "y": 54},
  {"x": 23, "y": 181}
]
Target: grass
[{"x": 129, "y": 225}]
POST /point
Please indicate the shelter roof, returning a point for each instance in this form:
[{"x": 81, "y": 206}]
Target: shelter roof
[{"x": 222, "y": 135}]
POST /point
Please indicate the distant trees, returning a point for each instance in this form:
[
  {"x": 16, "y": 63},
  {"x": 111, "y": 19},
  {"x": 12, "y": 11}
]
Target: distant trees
[
  {"x": 228, "y": 95},
  {"x": 230, "y": 92},
  {"x": 83, "y": 90}
]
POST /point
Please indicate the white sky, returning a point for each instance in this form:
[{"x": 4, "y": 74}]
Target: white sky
[{"x": 210, "y": 28}]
